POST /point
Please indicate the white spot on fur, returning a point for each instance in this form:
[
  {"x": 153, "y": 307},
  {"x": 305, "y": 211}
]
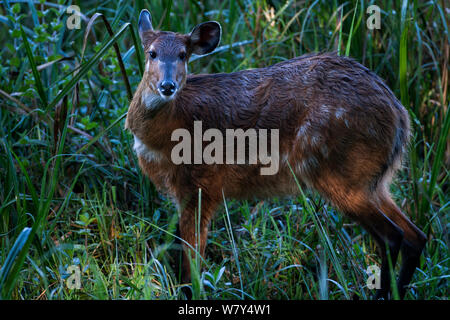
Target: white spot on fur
[
  {"x": 302, "y": 131},
  {"x": 307, "y": 165},
  {"x": 152, "y": 48},
  {"x": 339, "y": 113},
  {"x": 307, "y": 138},
  {"x": 302, "y": 134},
  {"x": 142, "y": 151},
  {"x": 314, "y": 140},
  {"x": 324, "y": 114}
]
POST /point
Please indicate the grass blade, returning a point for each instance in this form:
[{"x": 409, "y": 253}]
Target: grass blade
[{"x": 37, "y": 77}]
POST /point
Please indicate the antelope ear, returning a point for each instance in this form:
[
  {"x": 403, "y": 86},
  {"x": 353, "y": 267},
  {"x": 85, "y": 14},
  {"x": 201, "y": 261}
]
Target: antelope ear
[
  {"x": 205, "y": 37},
  {"x": 145, "y": 23}
]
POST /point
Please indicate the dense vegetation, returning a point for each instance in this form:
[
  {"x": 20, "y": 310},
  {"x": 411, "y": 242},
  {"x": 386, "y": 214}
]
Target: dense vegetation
[{"x": 71, "y": 192}]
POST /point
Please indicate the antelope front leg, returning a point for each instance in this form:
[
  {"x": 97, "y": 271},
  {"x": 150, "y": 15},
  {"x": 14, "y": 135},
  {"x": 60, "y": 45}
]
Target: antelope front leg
[{"x": 194, "y": 224}]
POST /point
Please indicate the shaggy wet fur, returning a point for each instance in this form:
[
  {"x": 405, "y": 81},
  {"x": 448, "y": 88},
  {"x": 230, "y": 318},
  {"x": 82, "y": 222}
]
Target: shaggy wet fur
[{"x": 341, "y": 130}]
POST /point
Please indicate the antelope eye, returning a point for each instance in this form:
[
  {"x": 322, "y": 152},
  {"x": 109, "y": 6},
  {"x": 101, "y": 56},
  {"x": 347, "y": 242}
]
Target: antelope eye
[
  {"x": 182, "y": 55},
  {"x": 152, "y": 54}
]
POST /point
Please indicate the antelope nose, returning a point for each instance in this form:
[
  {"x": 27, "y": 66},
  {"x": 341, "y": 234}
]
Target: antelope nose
[{"x": 167, "y": 88}]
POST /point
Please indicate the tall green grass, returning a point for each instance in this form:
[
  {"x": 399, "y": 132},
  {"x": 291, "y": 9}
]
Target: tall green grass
[{"x": 71, "y": 192}]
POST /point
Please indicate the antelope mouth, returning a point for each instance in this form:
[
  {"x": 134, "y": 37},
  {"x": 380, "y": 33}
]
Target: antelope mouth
[{"x": 167, "y": 97}]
